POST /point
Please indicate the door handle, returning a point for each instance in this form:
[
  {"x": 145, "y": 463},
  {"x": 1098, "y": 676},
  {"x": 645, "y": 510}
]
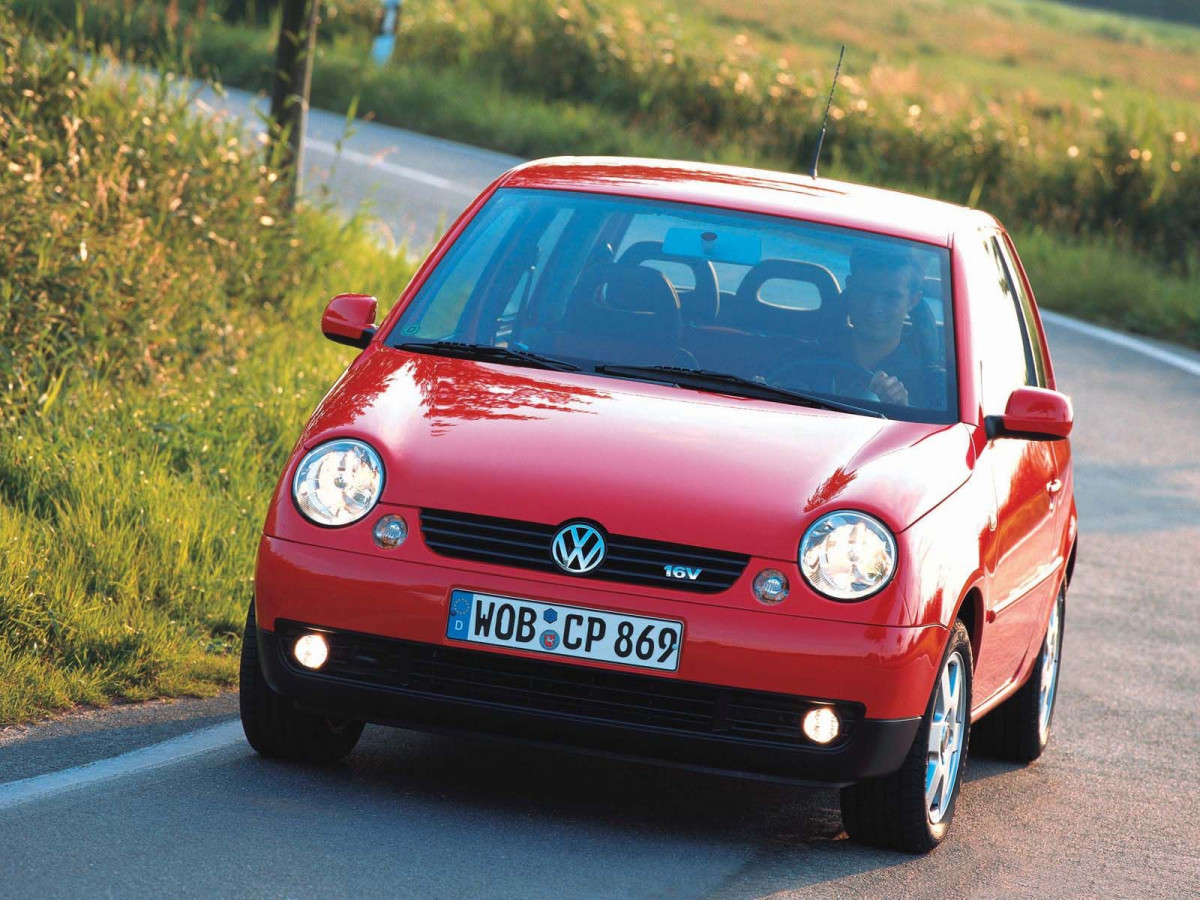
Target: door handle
[{"x": 1053, "y": 487}]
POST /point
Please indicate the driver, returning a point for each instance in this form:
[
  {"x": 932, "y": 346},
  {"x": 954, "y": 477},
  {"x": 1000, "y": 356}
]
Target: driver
[{"x": 883, "y": 285}]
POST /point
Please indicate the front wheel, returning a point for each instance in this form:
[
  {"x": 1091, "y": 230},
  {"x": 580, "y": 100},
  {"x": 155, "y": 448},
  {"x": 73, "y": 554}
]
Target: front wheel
[
  {"x": 912, "y": 808},
  {"x": 1019, "y": 728},
  {"x": 274, "y": 727}
]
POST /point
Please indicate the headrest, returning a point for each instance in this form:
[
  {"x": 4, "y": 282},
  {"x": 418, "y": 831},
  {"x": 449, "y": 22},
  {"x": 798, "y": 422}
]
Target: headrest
[
  {"x": 636, "y": 289},
  {"x": 932, "y": 290},
  {"x": 924, "y": 328},
  {"x": 750, "y": 312},
  {"x": 700, "y": 305},
  {"x": 789, "y": 270},
  {"x": 635, "y": 302}
]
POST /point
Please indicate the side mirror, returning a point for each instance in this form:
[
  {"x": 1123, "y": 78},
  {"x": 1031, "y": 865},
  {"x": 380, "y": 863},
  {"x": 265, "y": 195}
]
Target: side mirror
[
  {"x": 350, "y": 319},
  {"x": 1034, "y": 414}
]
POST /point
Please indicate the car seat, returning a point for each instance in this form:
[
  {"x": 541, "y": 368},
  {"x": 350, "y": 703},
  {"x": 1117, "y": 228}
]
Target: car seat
[
  {"x": 749, "y": 312},
  {"x": 700, "y": 305},
  {"x": 623, "y": 314}
]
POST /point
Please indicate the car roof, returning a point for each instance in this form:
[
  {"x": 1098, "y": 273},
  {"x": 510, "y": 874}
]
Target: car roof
[{"x": 755, "y": 190}]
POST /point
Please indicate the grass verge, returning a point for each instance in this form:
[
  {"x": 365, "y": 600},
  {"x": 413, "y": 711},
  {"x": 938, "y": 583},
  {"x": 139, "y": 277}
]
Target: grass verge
[{"x": 158, "y": 354}]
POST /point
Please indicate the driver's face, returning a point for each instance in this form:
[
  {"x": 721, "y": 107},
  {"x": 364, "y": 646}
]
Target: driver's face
[{"x": 878, "y": 302}]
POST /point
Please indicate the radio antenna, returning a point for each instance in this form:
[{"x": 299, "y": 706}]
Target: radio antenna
[{"x": 825, "y": 119}]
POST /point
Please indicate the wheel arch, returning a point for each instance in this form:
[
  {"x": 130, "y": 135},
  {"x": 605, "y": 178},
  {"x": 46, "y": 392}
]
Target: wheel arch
[
  {"x": 970, "y": 610},
  {"x": 1070, "y": 570}
]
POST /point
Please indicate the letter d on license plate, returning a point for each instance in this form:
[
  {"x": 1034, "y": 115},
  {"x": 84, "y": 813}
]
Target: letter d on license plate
[{"x": 559, "y": 630}]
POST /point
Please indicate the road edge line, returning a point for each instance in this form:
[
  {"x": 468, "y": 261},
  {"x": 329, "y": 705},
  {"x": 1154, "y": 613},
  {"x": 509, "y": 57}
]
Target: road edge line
[
  {"x": 1126, "y": 341},
  {"x": 155, "y": 756}
]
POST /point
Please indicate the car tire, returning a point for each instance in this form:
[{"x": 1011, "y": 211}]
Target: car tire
[
  {"x": 274, "y": 727},
  {"x": 1019, "y": 728},
  {"x": 911, "y": 809}
]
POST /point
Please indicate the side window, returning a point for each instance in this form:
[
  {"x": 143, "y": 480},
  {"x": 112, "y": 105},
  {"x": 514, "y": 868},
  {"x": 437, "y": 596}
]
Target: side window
[
  {"x": 1018, "y": 287},
  {"x": 1006, "y": 362}
]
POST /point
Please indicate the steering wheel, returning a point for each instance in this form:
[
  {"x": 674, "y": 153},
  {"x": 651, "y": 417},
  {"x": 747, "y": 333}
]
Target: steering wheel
[{"x": 825, "y": 366}]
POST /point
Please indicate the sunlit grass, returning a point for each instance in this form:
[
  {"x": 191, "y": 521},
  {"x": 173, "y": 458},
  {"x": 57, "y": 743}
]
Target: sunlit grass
[{"x": 159, "y": 352}]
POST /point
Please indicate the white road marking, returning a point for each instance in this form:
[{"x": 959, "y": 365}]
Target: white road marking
[
  {"x": 1126, "y": 341},
  {"x": 135, "y": 762},
  {"x": 375, "y": 161}
]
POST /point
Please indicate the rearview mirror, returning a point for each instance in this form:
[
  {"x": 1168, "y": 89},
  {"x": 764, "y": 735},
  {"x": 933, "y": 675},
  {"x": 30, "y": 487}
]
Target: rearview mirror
[
  {"x": 350, "y": 319},
  {"x": 1034, "y": 414}
]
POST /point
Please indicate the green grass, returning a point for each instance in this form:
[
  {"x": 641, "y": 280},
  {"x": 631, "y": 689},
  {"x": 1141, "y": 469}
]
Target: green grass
[
  {"x": 1098, "y": 281},
  {"x": 159, "y": 351}
]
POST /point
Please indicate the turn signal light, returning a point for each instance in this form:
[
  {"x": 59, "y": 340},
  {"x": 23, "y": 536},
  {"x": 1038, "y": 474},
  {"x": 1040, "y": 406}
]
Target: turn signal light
[
  {"x": 771, "y": 587},
  {"x": 390, "y": 532}
]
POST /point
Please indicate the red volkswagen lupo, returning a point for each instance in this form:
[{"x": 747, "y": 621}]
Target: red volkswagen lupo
[{"x": 723, "y": 467}]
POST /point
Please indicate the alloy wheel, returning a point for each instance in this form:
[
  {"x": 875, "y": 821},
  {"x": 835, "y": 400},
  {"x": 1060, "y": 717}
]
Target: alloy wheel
[
  {"x": 946, "y": 733},
  {"x": 1051, "y": 654}
]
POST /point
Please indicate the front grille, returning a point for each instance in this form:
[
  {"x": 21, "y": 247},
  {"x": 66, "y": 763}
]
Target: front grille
[
  {"x": 598, "y": 695},
  {"x": 511, "y": 542}
]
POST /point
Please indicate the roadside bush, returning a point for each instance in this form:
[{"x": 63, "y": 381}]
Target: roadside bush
[
  {"x": 1136, "y": 177},
  {"x": 159, "y": 352},
  {"x": 131, "y": 229}
]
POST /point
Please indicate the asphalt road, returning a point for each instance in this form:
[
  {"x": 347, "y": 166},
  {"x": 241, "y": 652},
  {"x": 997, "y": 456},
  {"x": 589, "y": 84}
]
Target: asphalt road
[{"x": 1109, "y": 811}]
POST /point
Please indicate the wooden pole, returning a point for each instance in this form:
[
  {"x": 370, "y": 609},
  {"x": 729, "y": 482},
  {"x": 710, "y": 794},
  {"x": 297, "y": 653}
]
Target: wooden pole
[{"x": 292, "y": 80}]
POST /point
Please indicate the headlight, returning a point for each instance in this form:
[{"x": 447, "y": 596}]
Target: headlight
[
  {"x": 338, "y": 483},
  {"x": 847, "y": 555}
]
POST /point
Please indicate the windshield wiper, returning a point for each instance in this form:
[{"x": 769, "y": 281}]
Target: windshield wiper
[
  {"x": 487, "y": 353},
  {"x": 705, "y": 379}
]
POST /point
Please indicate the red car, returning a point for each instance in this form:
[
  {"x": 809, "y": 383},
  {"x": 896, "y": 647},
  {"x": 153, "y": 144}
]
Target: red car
[{"x": 722, "y": 467}]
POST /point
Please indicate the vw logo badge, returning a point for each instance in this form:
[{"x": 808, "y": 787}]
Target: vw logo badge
[{"x": 578, "y": 548}]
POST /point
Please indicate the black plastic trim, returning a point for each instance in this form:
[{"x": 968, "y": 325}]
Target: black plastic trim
[
  {"x": 993, "y": 428},
  {"x": 360, "y": 342},
  {"x": 526, "y": 545},
  {"x": 874, "y": 746}
]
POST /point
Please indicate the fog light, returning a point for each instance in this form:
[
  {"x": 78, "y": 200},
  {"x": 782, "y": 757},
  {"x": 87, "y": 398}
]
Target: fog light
[
  {"x": 771, "y": 587},
  {"x": 821, "y": 725},
  {"x": 390, "y": 532},
  {"x": 311, "y": 651}
]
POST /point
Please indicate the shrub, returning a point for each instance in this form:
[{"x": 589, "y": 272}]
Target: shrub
[{"x": 159, "y": 352}]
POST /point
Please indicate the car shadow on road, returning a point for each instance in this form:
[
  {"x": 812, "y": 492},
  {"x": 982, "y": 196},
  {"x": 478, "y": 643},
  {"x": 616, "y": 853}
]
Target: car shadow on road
[{"x": 790, "y": 836}]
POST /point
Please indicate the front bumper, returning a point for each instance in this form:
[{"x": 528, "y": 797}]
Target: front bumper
[
  {"x": 391, "y": 615},
  {"x": 415, "y": 698}
]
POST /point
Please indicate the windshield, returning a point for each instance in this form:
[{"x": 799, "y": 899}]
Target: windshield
[{"x": 597, "y": 281}]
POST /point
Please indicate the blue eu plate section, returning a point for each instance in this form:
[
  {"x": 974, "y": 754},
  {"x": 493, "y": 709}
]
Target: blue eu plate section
[{"x": 459, "y": 624}]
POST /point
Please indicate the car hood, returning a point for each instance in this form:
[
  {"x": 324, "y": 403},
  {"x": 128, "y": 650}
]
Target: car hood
[{"x": 648, "y": 460}]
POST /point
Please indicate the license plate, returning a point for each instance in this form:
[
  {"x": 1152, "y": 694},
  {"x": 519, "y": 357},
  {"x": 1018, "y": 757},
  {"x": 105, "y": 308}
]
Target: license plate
[{"x": 559, "y": 630}]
